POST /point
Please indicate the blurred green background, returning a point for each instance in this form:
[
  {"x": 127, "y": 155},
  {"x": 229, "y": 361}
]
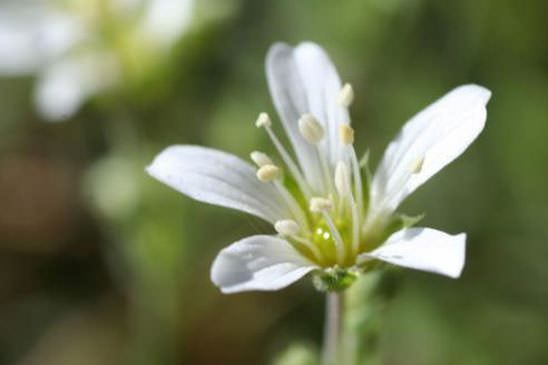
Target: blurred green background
[{"x": 100, "y": 264}]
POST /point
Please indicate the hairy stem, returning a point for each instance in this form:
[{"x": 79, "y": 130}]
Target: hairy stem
[{"x": 334, "y": 308}]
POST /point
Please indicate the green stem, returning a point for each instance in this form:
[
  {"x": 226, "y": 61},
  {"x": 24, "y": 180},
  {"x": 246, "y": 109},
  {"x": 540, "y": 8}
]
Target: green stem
[{"x": 334, "y": 308}]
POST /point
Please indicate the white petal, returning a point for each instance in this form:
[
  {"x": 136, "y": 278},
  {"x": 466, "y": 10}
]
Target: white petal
[
  {"x": 32, "y": 34},
  {"x": 258, "y": 263},
  {"x": 424, "y": 249},
  {"x": 438, "y": 134},
  {"x": 218, "y": 178},
  {"x": 304, "y": 80}
]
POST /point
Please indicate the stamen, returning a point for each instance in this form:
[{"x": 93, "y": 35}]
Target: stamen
[
  {"x": 318, "y": 204},
  {"x": 293, "y": 205},
  {"x": 264, "y": 121},
  {"x": 290, "y": 229},
  {"x": 325, "y": 168},
  {"x": 346, "y": 95},
  {"x": 315, "y": 250},
  {"x": 287, "y": 227},
  {"x": 268, "y": 173},
  {"x": 342, "y": 181},
  {"x": 312, "y": 132},
  {"x": 310, "y": 129},
  {"x": 400, "y": 180},
  {"x": 416, "y": 166},
  {"x": 260, "y": 159},
  {"x": 346, "y": 134}
]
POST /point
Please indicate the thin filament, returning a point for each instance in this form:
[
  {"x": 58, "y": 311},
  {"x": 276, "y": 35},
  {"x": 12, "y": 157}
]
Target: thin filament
[
  {"x": 293, "y": 205},
  {"x": 290, "y": 163}
]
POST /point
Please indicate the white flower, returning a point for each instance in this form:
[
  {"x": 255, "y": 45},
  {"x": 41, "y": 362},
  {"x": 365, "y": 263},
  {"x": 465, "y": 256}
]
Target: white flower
[
  {"x": 62, "y": 45},
  {"x": 324, "y": 218}
]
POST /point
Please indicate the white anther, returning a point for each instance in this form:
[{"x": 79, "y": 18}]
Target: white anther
[
  {"x": 310, "y": 128},
  {"x": 346, "y": 95},
  {"x": 263, "y": 121},
  {"x": 260, "y": 159},
  {"x": 287, "y": 227},
  {"x": 346, "y": 133},
  {"x": 342, "y": 178},
  {"x": 317, "y": 205},
  {"x": 416, "y": 166},
  {"x": 268, "y": 173}
]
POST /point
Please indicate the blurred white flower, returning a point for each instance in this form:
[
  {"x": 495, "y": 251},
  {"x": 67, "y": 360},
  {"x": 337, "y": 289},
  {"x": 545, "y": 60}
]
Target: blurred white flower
[
  {"x": 64, "y": 85},
  {"x": 327, "y": 219},
  {"x": 165, "y": 20},
  {"x": 61, "y": 43},
  {"x": 33, "y": 34},
  {"x": 112, "y": 187}
]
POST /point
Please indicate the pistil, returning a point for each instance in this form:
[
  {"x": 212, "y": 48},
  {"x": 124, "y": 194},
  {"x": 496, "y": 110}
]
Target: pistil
[{"x": 321, "y": 205}]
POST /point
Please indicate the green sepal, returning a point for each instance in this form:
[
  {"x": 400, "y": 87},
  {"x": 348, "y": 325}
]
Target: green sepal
[
  {"x": 399, "y": 222},
  {"x": 370, "y": 266},
  {"x": 408, "y": 220},
  {"x": 334, "y": 279},
  {"x": 364, "y": 161},
  {"x": 396, "y": 223}
]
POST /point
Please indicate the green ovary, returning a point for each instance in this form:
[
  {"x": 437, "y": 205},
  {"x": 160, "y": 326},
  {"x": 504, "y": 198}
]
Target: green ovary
[{"x": 322, "y": 237}]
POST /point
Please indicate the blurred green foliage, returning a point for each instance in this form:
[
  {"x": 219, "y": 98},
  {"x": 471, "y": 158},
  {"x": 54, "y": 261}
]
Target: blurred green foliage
[{"x": 103, "y": 265}]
